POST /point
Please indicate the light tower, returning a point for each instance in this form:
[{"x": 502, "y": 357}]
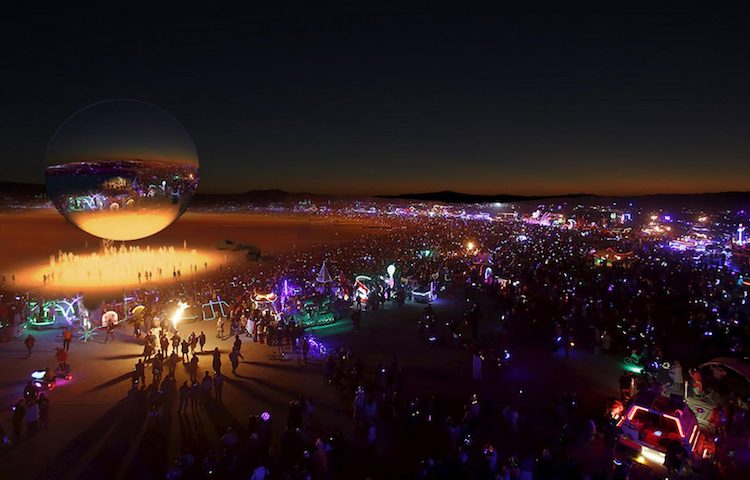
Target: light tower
[{"x": 741, "y": 235}]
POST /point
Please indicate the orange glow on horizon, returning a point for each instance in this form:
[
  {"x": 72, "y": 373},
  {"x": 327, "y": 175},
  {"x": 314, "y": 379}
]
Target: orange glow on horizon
[{"x": 117, "y": 268}]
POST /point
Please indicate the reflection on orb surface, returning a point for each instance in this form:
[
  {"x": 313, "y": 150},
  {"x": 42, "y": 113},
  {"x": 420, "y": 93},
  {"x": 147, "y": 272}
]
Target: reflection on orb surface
[{"x": 121, "y": 169}]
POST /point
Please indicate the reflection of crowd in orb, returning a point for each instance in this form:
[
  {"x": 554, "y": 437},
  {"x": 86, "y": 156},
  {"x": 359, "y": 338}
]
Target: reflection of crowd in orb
[{"x": 130, "y": 184}]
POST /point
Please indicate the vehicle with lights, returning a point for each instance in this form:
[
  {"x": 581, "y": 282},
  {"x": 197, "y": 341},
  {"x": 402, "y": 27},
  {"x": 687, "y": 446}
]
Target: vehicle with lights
[
  {"x": 654, "y": 424},
  {"x": 315, "y": 311},
  {"x": 43, "y": 379}
]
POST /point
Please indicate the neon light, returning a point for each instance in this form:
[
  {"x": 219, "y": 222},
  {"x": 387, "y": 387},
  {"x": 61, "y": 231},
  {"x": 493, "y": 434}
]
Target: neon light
[
  {"x": 693, "y": 435},
  {"x": 652, "y": 455},
  {"x": 211, "y": 304},
  {"x": 634, "y": 409},
  {"x": 677, "y": 421},
  {"x": 362, "y": 291}
]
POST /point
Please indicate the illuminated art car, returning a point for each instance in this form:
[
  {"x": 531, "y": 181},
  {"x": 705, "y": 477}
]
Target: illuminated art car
[
  {"x": 315, "y": 311},
  {"x": 654, "y": 422}
]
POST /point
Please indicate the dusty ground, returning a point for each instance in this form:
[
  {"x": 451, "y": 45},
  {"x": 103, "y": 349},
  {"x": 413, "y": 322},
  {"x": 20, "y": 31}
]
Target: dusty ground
[{"x": 30, "y": 237}]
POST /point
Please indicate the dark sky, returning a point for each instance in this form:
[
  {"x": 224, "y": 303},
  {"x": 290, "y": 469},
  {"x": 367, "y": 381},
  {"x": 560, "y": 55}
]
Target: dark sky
[{"x": 613, "y": 98}]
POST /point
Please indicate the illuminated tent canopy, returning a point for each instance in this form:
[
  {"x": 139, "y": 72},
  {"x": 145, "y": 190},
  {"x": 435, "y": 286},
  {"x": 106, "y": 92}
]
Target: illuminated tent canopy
[{"x": 323, "y": 275}]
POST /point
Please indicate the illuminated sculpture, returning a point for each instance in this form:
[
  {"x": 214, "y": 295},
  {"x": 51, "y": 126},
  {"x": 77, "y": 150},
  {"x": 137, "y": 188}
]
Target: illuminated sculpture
[
  {"x": 266, "y": 302},
  {"x": 741, "y": 235},
  {"x": 121, "y": 169},
  {"x": 46, "y": 313},
  {"x": 209, "y": 309},
  {"x": 361, "y": 289}
]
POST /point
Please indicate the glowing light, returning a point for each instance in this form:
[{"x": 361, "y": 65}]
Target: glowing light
[
  {"x": 211, "y": 314},
  {"x": 652, "y": 455},
  {"x": 362, "y": 290},
  {"x": 391, "y": 270},
  {"x": 177, "y": 315},
  {"x": 634, "y": 409},
  {"x": 114, "y": 267},
  {"x": 470, "y": 246},
  {"x": 110, "y": 316},
  {"x": 677, "y": 421},
  {"x": 693, "y": 435},
  {"x": 265, "y": 297}
]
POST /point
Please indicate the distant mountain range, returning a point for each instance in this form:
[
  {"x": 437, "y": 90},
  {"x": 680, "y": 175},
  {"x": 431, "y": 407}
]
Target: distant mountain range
[
  {"x": 448, "y": 196},
  {"x": 22, "y": 191}
]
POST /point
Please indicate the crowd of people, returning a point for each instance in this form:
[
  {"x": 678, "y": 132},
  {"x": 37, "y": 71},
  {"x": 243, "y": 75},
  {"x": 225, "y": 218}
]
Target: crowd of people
[{"x": 544, "y": 291}]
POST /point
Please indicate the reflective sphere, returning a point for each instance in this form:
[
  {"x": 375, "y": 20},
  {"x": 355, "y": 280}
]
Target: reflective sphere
[{"x": 121, "y": 169}]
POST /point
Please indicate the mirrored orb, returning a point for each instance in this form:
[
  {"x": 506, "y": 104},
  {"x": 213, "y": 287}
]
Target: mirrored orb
[{"x": 121, "y": 169}]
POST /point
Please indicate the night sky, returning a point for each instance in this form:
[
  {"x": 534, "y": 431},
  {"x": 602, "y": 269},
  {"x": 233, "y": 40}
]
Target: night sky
[{"x": 623, "y": 99}]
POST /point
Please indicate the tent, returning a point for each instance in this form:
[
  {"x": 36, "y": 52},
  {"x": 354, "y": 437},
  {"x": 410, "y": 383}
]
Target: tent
[{"x": 323, "y": 275}]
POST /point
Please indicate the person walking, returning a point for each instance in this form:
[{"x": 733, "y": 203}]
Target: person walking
[
  {"x": 202, "y": 340},
  {"x": 220, "y": 328},
  {"x": 110, "y": 332},
  {"x": 67, "y": 337},
  {"x": 43, "y": 411},
  {"x": 148, "y": 350},
  {"x": 206, "y": 387},
  {"x": 184, "y": 396},
  {"x": 156, "y": 367},
  {"x": 234, "y": 359},
  {"x": 218, "y": 386},
  {"x": 185, "y": 351},
  {"x": 194, "y": 368},
  {"x": 195, "y": 391},
  {"x": 29, "y": 342},
  {"x": 193, "y": 343},
  {"x": 173, "y": 359},
  {"x": 217, "y": 361},
  {"x": 19, "y": 413},
  {"x": 176, "y": 340},
  {"x": 249, "y": 325},
  {"x": 32, "y": 417},
  {"x": 305, "y": 349},
  {"x": 137, "y": 328},
  {"x": 164, "y": 343},
  {"x": 140, "y": 371}
]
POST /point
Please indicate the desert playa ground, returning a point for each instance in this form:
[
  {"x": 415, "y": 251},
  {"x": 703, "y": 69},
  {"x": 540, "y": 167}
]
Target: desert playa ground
[{"x": 27, "y": 239}]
